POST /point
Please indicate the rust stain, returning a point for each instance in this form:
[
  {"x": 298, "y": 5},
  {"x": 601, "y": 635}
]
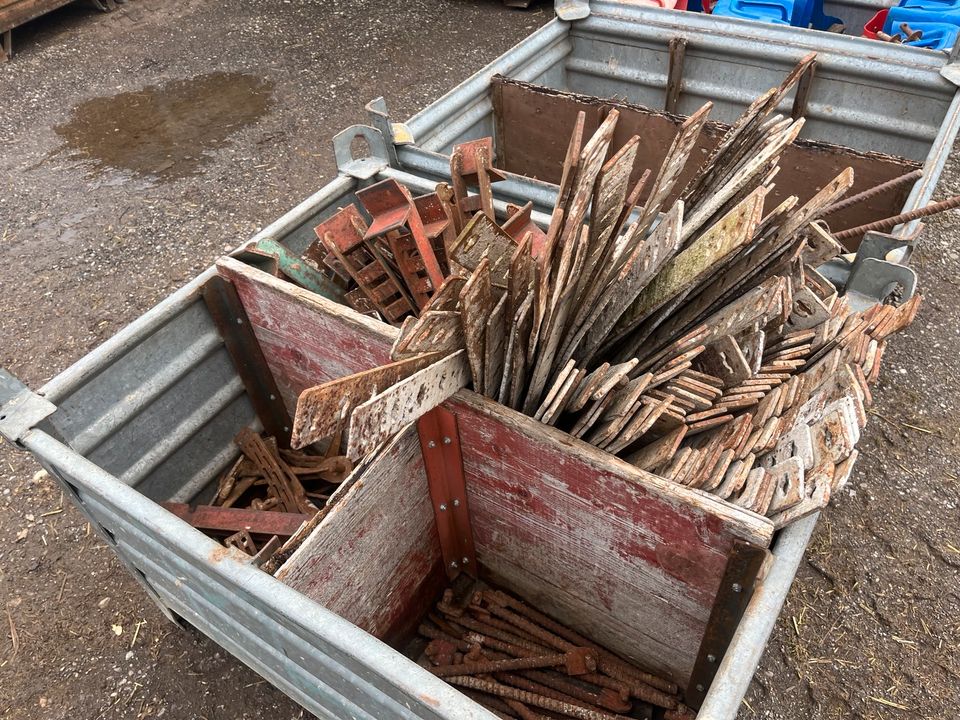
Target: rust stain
[
  {"x": 218, "y": 554},
  {"x": 432, "y": 701}
]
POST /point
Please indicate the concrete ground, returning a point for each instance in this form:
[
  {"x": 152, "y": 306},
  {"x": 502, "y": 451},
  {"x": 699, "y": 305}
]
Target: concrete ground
[{"x": 141, "y": 144}]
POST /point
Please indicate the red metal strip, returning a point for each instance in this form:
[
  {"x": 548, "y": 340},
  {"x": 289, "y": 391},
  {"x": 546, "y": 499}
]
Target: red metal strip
[
  {"x": 443, "y": 463},
  {"x": 232, "y": 520}
]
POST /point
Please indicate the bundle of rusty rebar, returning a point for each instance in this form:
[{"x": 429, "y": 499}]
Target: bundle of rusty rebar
[
  {"x": 267, "y": 477},
  {"x": 519, "y": 662}
]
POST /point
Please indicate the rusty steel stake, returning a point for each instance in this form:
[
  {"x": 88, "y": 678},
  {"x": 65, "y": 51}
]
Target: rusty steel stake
[
  {"x": 572, "y": 661},
  {"x": 891, "y": 222},
  {"x": 528, "y": 698},
  {"x": 494, "y": 644},
  {"x": 487, "y": 629},
  {"x": 530, "y": 627},
  {"x": 870, "y": 193}
]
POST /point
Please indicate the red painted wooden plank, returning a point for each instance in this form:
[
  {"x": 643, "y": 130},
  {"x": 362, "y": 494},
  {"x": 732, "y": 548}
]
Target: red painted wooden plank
[{"x": 606, "y": 547}]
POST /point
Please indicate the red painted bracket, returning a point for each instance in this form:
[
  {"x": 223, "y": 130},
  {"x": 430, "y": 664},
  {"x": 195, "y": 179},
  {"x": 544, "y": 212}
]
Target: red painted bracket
[{"x": 443, "y": 463}]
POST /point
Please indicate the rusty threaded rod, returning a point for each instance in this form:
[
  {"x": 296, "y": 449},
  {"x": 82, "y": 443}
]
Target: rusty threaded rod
[
  {"x": 494, "y": 644},
  {"x": 891, "y": 222},
  {"x": 634, "y": 689},
  {"x": 530, "y": 686},
  {"x": 434, "y": 634},
  {"x": 528, "y": 698},
  {"x": 489, "y": 666},
  {"x": 607, "y": 698},
  {"x": 606, "y": 658},
  {"x": 485, "y": 628},
  {"x": 872, "y": 192},
  {"x": 532, "y": 628}
]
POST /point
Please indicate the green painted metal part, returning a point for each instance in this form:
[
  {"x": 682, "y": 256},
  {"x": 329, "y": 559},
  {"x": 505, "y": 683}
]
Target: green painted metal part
[{"x": 297, "y": 270}]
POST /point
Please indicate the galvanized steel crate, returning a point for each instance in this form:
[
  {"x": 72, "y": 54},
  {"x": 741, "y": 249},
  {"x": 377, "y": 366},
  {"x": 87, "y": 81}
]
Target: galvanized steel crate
[{"x": 150, "y": 416}]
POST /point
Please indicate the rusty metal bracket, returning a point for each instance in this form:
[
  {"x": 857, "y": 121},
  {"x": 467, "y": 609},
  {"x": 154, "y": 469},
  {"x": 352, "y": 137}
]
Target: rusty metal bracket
[
  {"x": 443, "y": 464},
  {"x": 231, "y": 320},
  {"x": 736, "y": 588}
]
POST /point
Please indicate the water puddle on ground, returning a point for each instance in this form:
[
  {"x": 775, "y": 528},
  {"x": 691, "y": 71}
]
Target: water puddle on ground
[{"x": 166, "y": 130}]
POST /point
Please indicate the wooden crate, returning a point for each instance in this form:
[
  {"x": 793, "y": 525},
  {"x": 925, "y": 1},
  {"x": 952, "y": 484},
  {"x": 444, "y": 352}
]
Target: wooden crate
[{"x": 621, "y": 555}]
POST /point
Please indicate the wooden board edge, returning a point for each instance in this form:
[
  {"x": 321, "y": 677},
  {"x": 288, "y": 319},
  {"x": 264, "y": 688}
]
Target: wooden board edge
[
  {"x": 231, "y": 268},
  {"x": 743, "y": 524}
]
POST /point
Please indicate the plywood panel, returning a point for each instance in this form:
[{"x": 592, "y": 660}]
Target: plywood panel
[{"x": 534, "y": 124}]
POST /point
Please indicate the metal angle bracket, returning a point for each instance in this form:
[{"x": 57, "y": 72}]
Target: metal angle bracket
[
  {"x": 878, "y": 281},
  {"x": 393, "y": 133},
  {"x": 736, "y": 588},
  {"x": 231, "y": 319},
  {"x": 21, "y": 409},
  {"x": 443, "y": 464},
  {"x": 881, "y": 246},
  {"x": 570, "y": 10},
  {"x": 362, "y": 168}
]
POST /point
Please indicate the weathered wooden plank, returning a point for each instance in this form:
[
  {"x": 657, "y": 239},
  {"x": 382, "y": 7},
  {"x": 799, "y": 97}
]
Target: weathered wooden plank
[
  {"x": 645, "y": 262},
  {"x": 373, "y": 422},
  {"x": 674, "y": 164},
  {"x": 476, "y": 302},
  {"x": 393, "y": 567},
  {"x": 609, "y": 194},
  {"x": 433, "y": 331},
  {"x": 296, "y": 329},
  {"x": 320, "y": 408},
  {"x": 620, "y": 411},
  {"x": 659, "y": 451},
  {"x": 482, "y": 237},
  {"x": 691, "y": 265},
  {"x": 494, "y": 342}
]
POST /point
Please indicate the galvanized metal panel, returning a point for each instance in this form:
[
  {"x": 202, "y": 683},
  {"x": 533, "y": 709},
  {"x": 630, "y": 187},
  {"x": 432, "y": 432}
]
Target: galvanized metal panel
[{"x": 328, "y": 665}]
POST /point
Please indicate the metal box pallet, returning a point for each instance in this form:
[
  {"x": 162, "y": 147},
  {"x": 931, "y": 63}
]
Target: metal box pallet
[{"x": 153, "y": 412}]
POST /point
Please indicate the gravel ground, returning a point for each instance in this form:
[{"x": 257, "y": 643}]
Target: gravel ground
[{"x": 93, "y": 235}]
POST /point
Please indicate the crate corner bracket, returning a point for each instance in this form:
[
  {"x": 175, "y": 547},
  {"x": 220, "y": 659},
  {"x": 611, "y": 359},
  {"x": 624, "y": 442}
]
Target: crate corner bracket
[
  {"x": 744, "y": 565},
  {"x": 443, "y": 465}
]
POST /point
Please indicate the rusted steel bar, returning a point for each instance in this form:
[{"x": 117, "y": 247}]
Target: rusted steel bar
[
  {"x": 232, "y": 520},
  {"x": 489, "y": 629},
  {"x": 529, "y": 685},
  {"x": 495, "y": 644},
  {"x": 608, "y": 698},
  {"x": 528, "y": 698},
  {"x": 574, "y": 663},
  {"x": 874, "y": 191},
  {"x": 891, "y": 222},
  {"x": 607, "y": 659}
]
